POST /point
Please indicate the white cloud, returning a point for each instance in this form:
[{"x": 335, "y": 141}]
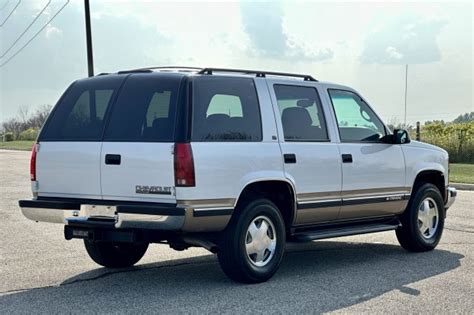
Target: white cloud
[
  {"x": 96, "y": 15},
  {"x": 405, "y": 38},
  {"x": 393, "y": 53},
  {"x": 52, "y": 31},
  {"x": 263, "y": 23}
]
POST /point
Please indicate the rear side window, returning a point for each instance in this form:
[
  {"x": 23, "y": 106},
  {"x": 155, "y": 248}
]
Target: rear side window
[
  {"x": 145, "y": 110},
  {"x": 80, "y": 115},
  {"x": 225, "y": 109},
  {"x": 301, "y": 113}
]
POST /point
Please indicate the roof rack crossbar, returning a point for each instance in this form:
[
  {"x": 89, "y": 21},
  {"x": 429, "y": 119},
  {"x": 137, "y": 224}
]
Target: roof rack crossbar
[{"x": 258, "y": 73}]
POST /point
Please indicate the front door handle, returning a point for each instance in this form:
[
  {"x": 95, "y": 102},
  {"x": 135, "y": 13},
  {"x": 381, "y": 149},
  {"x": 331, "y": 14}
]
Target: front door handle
[
  {"x": 347, "y": 158},
  {"x": 113, "y": 159},
  {"x": 289, "y": 158}
]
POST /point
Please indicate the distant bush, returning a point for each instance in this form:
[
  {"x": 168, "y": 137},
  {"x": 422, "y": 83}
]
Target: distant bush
[
  {"x": 456, "y": 138},
  {"x": 8, "y": 137},
  {"x": 28, "y": 134}
]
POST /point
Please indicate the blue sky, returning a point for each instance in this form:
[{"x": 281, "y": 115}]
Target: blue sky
[{"x": 362, "y": 44}]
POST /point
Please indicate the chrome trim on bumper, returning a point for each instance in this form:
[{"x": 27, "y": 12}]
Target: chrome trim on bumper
[
  {"x": 451, "y": 194},
  {"x": 122, "y": 220},
  {"x": 47, "y": 215},
  {"x": 147, "y": 221}
]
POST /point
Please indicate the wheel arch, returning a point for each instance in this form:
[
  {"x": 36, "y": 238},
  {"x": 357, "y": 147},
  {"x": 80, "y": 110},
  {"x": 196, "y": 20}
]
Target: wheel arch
[
  {"x": 432, "y": 176},
  {"x": 280, "y": 191}
]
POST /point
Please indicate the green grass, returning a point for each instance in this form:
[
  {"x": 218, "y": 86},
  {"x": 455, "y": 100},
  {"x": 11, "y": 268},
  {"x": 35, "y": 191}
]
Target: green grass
[
  {"x": 461, "y": 173},
  {"x": 17, "y": 145}
]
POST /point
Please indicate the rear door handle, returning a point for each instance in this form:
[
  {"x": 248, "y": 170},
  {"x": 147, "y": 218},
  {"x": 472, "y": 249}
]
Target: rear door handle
[
  {"x": 289, "y": 158},
  {"x": 347, "y": 158},
  {"x": 113, "y": 159}
]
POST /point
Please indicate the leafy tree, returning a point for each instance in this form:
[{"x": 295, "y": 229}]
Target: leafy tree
[{"x": 467, "y": 117}]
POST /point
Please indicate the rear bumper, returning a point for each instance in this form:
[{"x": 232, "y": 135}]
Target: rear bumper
[
  {"x": 166, "y": 217},
  {"x": 185, "y": 216},
  {"x": 451, "y": 194}
]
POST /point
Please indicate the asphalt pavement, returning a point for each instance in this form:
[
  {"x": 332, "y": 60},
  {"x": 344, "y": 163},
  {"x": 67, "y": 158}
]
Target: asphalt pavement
[{"x": 40, "y": 272}]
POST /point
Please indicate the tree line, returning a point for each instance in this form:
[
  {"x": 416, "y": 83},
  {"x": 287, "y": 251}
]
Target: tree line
[
  {"x": 456, "y": 138},
  {"x": 26, "y": 124}
]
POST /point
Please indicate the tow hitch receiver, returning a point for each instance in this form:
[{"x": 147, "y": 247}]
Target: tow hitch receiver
[{"x": 71, "y": 232}]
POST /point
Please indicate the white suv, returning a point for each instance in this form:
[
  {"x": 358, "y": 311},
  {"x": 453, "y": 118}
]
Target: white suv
[{"x": 236, "y": 161}]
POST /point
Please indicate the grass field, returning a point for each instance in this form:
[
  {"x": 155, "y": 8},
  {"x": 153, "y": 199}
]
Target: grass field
[
  {"x": 17, "y": 145},
  {"x": 460, "y": 173}
]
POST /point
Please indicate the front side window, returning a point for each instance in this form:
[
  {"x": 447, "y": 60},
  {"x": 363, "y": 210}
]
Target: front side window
[
  {"x": 225, "y": 109},
  {"x": 301, "y": 113},
  {"x": 355, "y": 119}
]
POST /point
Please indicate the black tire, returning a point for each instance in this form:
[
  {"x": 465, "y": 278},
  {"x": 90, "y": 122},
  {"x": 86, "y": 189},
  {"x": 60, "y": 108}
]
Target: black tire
[
  {"x": 408, "y": 234},
  {"x": 114, "y": 254},
  {"x": 232, "y": 252}
]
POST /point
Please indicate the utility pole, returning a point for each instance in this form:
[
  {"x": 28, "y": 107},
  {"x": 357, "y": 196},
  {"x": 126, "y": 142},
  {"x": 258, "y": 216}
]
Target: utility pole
[
  {"x": 418, "y": 137},
  {"x": 406, "y": 88},
  {"x": 90, "y": 59}
]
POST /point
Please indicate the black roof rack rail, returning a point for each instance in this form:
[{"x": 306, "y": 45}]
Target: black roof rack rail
[
  {"x": 176, "y": 68},
  {"x": 134, "y": 71},
  {"x": 258, "y": 73}
]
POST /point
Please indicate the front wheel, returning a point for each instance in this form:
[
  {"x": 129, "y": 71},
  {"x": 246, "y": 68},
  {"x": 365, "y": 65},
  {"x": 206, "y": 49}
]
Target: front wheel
[
  {"x": 252, "y": 245},
  {"x": 423, "y": 220},
  {"x": 115, "y": 254}
]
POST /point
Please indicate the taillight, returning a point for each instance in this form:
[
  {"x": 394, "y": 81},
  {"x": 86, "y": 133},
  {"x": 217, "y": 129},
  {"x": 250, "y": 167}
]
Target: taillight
[
  {"x": 33, "y": 162},
  {"x": 183, "y": 165}
]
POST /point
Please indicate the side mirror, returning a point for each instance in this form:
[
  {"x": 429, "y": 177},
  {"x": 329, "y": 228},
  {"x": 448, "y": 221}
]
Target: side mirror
[{"x": 401, "y": 136}]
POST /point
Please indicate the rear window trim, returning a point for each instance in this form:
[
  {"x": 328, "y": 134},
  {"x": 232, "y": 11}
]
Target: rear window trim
[
  {"x": 191, "y": 110},
  {"x": 108, "y": 112}
]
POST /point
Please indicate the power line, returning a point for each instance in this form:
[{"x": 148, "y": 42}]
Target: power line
[
  {"x": 10, "y": 14},
  {"x": 36, "y": 34},
  {"x": 26, "y": 30},
  {"x": 5, "y": 5}
]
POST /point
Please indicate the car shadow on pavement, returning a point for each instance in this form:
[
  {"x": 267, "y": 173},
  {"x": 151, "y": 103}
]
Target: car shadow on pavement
[{"x": 314, "y": 277}]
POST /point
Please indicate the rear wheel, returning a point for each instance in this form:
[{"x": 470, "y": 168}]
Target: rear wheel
[
  {"x": 115, "y": 254},
  {"x": 252, "y": 245},
  {"x": 423, "y": 220}
]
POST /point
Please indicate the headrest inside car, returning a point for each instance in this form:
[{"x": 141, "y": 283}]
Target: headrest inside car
[{"x": 304, "y": 103}]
